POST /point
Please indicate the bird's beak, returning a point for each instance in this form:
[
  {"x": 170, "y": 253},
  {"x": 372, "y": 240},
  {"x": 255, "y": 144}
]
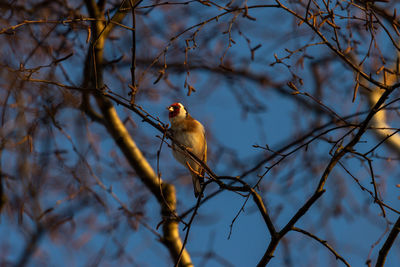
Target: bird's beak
[{"x": 170, "y": 109}]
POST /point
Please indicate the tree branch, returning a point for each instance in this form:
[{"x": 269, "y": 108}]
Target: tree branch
[
  {"x": 388, "y": 244},
  {"x": 164, "y": 192},
  {"x": 323, "y": 242}
]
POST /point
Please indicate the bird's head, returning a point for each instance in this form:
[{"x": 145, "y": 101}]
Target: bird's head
[{"x": 177, "y": 111}]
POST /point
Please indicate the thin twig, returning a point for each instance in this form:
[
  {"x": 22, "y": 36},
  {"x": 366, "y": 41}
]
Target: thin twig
[{"x": 323, "y": 242}]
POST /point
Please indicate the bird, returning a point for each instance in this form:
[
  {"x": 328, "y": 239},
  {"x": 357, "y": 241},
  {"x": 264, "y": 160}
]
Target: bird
[{"x": 191, "y": 134}]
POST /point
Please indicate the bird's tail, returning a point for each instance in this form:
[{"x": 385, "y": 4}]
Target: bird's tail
[
  {"x": 197, "y": 178},
  {"x": 198, "y": 182}
]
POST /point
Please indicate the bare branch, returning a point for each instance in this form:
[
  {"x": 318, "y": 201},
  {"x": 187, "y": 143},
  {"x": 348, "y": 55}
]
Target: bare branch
[
  {"x": 383, "y": 252},
  {"x": 324, "y": 243}
]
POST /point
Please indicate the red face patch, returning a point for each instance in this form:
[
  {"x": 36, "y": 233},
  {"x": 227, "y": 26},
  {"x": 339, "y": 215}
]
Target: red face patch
[{"x": 175, "y": 110}]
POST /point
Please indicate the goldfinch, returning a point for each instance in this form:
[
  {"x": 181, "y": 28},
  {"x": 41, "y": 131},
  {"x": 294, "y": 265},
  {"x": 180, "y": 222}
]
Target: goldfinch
[{"x": 190, "y": 133}]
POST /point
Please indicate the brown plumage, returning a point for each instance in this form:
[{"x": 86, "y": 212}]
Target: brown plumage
[{"x": 190, "y": 133}]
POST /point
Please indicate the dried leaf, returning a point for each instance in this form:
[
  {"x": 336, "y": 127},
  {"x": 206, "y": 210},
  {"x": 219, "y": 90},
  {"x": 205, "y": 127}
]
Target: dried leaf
[{"x": 190, "y": 90}]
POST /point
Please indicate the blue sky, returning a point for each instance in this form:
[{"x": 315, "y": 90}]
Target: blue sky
[{"x": 345, "y": 216}]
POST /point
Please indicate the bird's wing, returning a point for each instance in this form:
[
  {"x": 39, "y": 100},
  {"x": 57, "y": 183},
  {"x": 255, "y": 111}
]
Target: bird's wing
[{"x": 205, "y": 150}]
